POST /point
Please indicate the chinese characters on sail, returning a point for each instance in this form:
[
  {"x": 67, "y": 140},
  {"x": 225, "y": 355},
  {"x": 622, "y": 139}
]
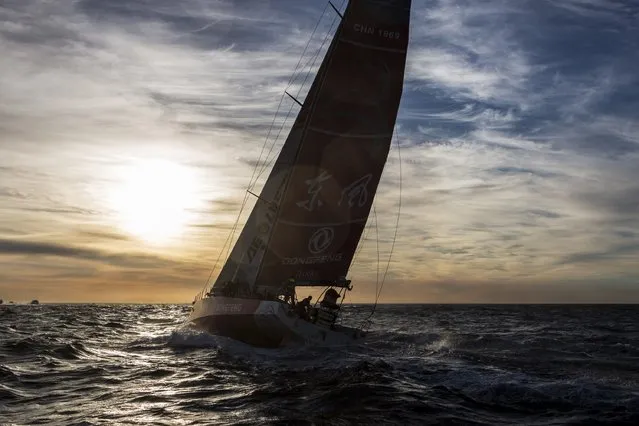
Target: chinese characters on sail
[
  {"x": 356, "y": 193},
  {"x": 315, "y": 186}
]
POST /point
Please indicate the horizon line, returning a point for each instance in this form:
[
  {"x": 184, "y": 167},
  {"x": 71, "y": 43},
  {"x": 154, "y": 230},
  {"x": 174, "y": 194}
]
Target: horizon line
[{"x": 349, "y": 304}]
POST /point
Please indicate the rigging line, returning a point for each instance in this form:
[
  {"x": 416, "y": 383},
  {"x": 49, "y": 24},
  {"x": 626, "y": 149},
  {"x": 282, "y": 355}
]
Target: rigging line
[
  {"x": 320, "y": 79},
  {"x": 228, "y": 240},
  {"x": 237, "y": 221},
  {"x": 251, "y": 181},
  {"x": 366, "y": 322},
  {"x": 268, "y": 162},
  {"x": 208, "y": 280},
  {"x": 336, "y": 10},
  {"x": 312, "y": 60},
  {"x": 290, "y": 82},
  {"x": 311, "y": 63},
  {"x": 360, "y": 246},
  {"x": 377, "y": 284},
  {"x": 377, "y": 238},
  {"x": 235, "y": 225},
  {"x": 217, "y": 261},
  {"x": 399, "y": 210},
  {"x": 288, "y": 179}
]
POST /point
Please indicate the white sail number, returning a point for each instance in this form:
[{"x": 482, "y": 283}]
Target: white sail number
[{"x": 360, "y": 28}]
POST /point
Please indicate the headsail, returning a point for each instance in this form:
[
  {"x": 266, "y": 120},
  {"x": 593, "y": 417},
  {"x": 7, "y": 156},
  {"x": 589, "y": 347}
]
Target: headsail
[{"x": 316, "y": 201}]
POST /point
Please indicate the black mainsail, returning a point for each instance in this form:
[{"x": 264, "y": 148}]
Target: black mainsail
[{"x": 309, "y": 217}]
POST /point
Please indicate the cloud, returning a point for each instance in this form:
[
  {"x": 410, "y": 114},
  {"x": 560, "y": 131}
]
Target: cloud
[
  {"x": 34, "y": 248},
  {"x": 599, "y": 9},
  {"x": 517, "y": 131},
  {"x": 630, "y": 251},
  {"x": 468, "y": 52},
  {"x": 104, "y": 235}
]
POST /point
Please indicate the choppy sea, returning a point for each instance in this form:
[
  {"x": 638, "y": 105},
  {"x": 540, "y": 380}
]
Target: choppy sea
[{"x": 421, "y": 364}]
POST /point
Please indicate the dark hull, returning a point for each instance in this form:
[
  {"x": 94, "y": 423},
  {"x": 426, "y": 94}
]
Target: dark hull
[
  {"x": 245, "y": 329},
  {"x": 266, "y": 324}
]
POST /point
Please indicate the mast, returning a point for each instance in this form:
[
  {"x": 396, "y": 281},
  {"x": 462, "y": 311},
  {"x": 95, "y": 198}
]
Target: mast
[{"x": 309, "y": 217}]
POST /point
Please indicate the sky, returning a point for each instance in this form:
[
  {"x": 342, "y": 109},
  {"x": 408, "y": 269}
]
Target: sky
[{"x": 129, "y": 131}]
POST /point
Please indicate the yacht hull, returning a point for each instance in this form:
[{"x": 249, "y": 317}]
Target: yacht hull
[{"x": 264, "y": 323}]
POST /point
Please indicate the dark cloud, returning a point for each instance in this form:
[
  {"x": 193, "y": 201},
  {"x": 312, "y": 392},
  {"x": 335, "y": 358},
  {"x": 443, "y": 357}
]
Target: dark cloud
[
  {"x": 256, "y": 163},
  {"x": 520, "y": 170},
  {"x": 67, "y": 210},
  {"x": 620, "y": 202},
  {"x": 214, "y": 226},
  {"x": 627, "y": 234},
  {"x": 35, "y": 248},
  {"x": 612, "y": 253},
  {"x": 104, "y": 235},
  {"x": 449, "y": 251},
  {"x": 545, "y": 213},
  {"x": 31, "y": 247},
  {"x": 12, "y": 193},
  {"x": 226, "y": 205},
  {"x": 247, "y": 127},
  {"x": 600, "y": 142},
  {"x": 206, "y": 27}
]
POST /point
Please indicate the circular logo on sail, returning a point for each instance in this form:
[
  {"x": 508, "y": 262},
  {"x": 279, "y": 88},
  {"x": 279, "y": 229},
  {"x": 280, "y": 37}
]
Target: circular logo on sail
[{"x": 320, "y": 240}]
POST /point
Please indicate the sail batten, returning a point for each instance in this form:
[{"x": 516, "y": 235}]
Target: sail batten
[
  {"x": 351, "y": 135},
  {"x": 372, "y": 46},
  {"x": 324, "y": 180},
  {"x": 314, "y": 225}
]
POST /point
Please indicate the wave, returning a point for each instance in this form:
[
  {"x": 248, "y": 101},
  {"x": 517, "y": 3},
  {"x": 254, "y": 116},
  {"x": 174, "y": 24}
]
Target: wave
[{"x": 419, "y": 365}]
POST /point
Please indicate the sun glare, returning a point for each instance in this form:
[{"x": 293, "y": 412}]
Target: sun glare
[{"x": 155, "y": 200}]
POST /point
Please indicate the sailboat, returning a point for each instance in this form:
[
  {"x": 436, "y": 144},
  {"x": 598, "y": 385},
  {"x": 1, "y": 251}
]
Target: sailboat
[{"x": 309, "y": 217}]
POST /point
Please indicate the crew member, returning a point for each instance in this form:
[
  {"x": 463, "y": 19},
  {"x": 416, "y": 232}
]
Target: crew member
[
  {"x": 330, "y": 299},
  {"x": 303, "y": 306},
  {"x": 289, "y": 291}
]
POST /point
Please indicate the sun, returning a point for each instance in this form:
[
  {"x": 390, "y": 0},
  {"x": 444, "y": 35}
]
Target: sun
[{"x": 155, "y": 199}]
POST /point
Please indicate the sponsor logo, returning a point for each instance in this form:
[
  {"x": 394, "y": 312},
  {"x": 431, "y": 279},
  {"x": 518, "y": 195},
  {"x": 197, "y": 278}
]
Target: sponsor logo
[
  {"x": 337, "y": 257},
  {"x": 321, "y": 240}
]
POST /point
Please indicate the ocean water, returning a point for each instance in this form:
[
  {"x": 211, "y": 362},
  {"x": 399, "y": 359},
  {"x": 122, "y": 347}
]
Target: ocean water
[{"x": 422, "y": 364}]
